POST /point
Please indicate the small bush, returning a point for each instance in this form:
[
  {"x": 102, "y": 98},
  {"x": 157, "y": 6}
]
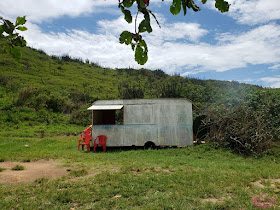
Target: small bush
[
  {"x": 24, "y": 95},
  {"x": 240, "y": 128},
  {"x": 81, "y": 117},
  {"x": 170, "y": 89},
  {"x": 56, "y": 102},
  {"x": 78, "y": 96},
  {"x": 18, "y": 168},
  {"x": 130, "y": 91},
  {"x": 2, "y": 169},
  {"x": 159, "y": 73}
]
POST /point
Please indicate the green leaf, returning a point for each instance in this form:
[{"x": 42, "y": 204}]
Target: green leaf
[
  {"x": 142, "y": 26},
  {"x": 20, "y": 21},
  {"x": 137, "y": 37},
  {"x": 128, "y": 3},
  {"x": 175, "y": 7},
  {"x": 204, "y": 1},
  {"x": 141, "y": 52},
  {"x": 222, "y": 5},
  {"x": 127, "y": 15},
  {"x": 126, "y": 37},
  {"x": 16, "y": 53},
  {"x": 132, "y": 46},
  {"x": 8, "y": 27},
  {"x": 145, "y": 24},
  {"x": 189, "y": 5},
  {"x": 21, "y": 28},
  {"x": 141, "y": 4}
]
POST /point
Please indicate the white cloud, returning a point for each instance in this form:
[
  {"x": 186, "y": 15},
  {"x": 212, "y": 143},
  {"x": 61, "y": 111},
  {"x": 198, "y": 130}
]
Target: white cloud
[
  {"x": 45, "y": 10},
  {"x": 103, "y": 49},
  {"x": 258, "y": 46},
  {"x": 41, "y": 10},
  {"x": 171, "y": 32},
  {"x": 244, "y": 11},
  {"x": 168, "y": 32},
  {"x": 273, "y": 82},
  {"x": 274, "y": 67},
  {"x": 174, "y": 55},
  {"x": 251, "y": 12},
  {"x": 254, "y": 11}
]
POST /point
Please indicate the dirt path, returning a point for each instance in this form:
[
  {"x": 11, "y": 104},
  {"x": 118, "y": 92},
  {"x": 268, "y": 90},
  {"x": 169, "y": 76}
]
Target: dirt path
[{"x": 32, "y": 171}]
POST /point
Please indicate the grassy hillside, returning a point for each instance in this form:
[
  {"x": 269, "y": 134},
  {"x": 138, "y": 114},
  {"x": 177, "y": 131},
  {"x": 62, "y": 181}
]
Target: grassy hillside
[
  {"x": 42, "y": 95},
  {"x": 41, "y": 89}
]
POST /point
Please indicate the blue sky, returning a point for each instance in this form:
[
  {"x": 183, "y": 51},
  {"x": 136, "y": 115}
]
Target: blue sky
[{"x": 241, "y": 45}]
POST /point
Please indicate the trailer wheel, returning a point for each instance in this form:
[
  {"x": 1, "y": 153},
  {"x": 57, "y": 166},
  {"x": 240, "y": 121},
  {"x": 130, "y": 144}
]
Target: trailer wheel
[{"x": 149, "y": 145}]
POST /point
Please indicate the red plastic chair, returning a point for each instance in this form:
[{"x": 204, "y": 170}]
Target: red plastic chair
[
  {"x": 101, "y": 141},
  {"x": 85, "y": 139}
]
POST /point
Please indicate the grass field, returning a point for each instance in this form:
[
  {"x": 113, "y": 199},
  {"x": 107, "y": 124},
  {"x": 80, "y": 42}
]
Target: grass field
[{"x": 197, "y": 177}]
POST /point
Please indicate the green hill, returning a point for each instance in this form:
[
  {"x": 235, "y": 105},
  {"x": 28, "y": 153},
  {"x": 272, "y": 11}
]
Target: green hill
[{"x": 43, "y": 95}]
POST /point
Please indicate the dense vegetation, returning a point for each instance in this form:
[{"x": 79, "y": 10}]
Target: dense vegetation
[{"x": 49, "y": 95}]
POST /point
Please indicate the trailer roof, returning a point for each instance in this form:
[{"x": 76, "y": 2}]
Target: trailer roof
[
  {"x": 105, "y": 107},
  {"x": 141, "y": 101}
]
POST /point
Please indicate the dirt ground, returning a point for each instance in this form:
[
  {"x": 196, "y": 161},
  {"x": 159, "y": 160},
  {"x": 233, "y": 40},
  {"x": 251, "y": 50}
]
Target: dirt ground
[
  {"x": 272, "y": 183},
  {"x": 32, "y": 171}
]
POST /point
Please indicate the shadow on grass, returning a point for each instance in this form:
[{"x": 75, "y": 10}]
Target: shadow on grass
[{"x": 130, "y": 148}]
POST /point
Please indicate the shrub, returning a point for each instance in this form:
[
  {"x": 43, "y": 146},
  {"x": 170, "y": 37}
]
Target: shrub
[
  {"x": 78, "y": 96},
  {"x": 56, "y": 103},
  {"x": 81, "y": 117},
  {"x": 129, "y": 91},
  {"x": 170, "y": 89},
  {"x": 240, "y": 128},
  {"x": 159, "y": 73},
  {"x": 95, "y": 64},
  {"x": 24, "y": 95}
]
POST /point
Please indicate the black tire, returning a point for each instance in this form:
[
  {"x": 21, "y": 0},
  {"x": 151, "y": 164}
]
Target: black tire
[{"x": 149, "y": 145}]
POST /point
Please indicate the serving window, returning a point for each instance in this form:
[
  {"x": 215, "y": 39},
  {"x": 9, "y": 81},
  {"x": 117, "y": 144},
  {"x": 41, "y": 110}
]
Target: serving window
[{"x": 107, "y": 114}]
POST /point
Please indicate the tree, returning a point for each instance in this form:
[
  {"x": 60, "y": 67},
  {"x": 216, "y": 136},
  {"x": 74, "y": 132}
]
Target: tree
[
  {"x": 135, "y": 40},
  {"x": 10, "y": 39}
]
